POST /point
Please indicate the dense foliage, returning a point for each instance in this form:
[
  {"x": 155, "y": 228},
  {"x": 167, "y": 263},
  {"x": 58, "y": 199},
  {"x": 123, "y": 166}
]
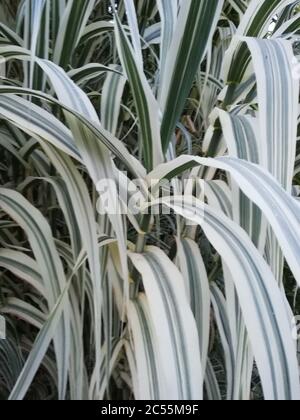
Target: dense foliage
[{"x": 192, "y": 98}]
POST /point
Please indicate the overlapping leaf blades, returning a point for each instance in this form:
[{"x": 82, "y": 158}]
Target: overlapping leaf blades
[{"x": 89, "y": 92}]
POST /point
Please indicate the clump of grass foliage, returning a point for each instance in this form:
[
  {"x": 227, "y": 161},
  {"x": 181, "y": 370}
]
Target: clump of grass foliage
[{"x": 197, "y": 302}]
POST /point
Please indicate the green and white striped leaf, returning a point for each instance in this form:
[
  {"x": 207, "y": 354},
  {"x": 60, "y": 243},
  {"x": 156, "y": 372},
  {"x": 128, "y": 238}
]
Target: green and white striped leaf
[
  {"x": 178, "y": 342},
  {"x": 243, "y": 141},
  {"x": 134, "y": 30},
  {"x": 281, "y": 208},
  {"x": 40, "y": 347},
  {"x": 111, "y": 100},
  {"x": 255, "y": 23},
  {"x": 168, "y": 10},
  {"x": 71, "y": 28},
  {"x": 145, "y": 102},
  {"x": 145, "y": 343},
  {"x": 223, "y": 323},
  {"x": 195, "y": 27},
  {"x": 266, "y": 317},
  {"x": 38, "y": 123},
  {"x": 23, "y": 267},
  {"x": 50, "y": 266},
  {"x": 278, "y": 91},
  {"x": 192, "y": 267}
]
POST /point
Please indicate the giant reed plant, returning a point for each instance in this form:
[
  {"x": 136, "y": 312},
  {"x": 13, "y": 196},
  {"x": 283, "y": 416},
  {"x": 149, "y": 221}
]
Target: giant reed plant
[{"x": 197, "y": 302}]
